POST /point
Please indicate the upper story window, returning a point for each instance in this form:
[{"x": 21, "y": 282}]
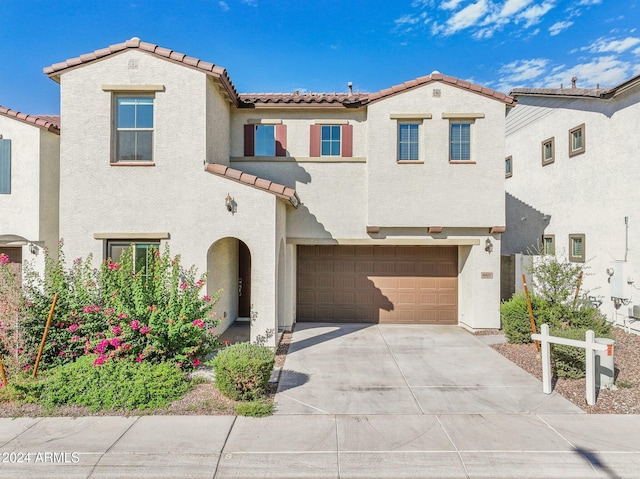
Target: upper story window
[
  {"x": 331, "y": 138},
  {"x": 265, "y": 139},
  {"x": 460, "y": 141},
  {"x": 5, "y": 166},
  {"x": 508, "y": 167},
  {"x": 576, "y": 140},
  {"x": 549, "y": 244},
  {"x": 548, "y": 151},
  {"x": 134, "y": 128},
  {"x": 577, "y": 248},
  {"x": 408, "y": 142}
]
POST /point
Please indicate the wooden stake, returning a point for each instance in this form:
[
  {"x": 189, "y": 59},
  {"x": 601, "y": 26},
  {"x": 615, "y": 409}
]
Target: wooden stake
[
  {"x": 2, "y": 373},
  {"x": 531, "y": 318},
  {"x": 575, "y": 298},
  {"x": 44, "y": 336}
]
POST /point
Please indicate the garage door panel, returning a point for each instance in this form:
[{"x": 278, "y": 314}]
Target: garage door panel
[{"x": 401, "y": 284}]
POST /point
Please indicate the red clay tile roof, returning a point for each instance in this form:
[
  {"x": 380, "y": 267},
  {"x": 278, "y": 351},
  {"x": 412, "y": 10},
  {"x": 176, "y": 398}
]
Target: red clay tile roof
[
  {"x": 266, "y": 100},
  {"x": 135, "y": 43},
  {"x": 281, "y": 191},
  {"x": 602, "y": 93},
  {"x": 436, "y": 76},
  {"x": 362, "y": 99},
  {"x": 46, "y": 122}
]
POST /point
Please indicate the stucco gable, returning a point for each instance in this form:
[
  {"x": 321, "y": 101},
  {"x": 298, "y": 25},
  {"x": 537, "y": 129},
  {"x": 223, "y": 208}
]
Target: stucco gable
[
  {"x": 277, "y": 189},
  {"x": 220, "y": 74},
  {"x": 46, "y": 122}
]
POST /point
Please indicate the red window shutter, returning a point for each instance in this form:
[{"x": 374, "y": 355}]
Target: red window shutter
[
  {"x": 347, "y": 140},
  {"x": 281, "y": 140},
  {"x": 314, "y": 147},
  {"x": 249, "y": 140}
]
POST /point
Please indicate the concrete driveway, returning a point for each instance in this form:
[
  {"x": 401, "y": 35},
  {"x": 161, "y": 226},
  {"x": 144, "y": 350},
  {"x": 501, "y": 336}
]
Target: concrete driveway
[{"x": 404, "y": 369}]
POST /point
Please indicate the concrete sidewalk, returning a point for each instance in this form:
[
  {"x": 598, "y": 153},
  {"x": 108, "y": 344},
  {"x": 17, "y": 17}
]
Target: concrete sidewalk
[
  {"x": 322, "y": 446},
  {"x": 354, "y": 401}
]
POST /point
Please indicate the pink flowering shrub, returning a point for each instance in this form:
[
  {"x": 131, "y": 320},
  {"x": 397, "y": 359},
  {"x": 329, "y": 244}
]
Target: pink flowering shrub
[{"x": 151, "y": 314}]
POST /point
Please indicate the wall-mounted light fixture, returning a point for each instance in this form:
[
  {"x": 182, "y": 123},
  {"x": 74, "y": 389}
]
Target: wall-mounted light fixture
[
  {"x": 488, "y": 245},
  {"x": 228, "y": 202},
  {"x": 33, "y": 249}
]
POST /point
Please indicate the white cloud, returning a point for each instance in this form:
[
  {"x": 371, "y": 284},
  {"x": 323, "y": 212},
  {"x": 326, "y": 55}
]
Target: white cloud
[
  {"x": 589, "y": 2},
  {"x": 607, "y": 71},
  {"x": 524, "y": 70},
  {"x": 512, "y": 7},
  {"x": 251, "y": 3},
  {"x": 534, "y": 14},
  {"x": 558, "y": 27},
  {"x": 467, "y": 17},
  {"x": 606, "y": 45},
  {"x": 450, "y": 4},
  {"x": 408, "y": 22},
  {"x": 224, "y": 6}
]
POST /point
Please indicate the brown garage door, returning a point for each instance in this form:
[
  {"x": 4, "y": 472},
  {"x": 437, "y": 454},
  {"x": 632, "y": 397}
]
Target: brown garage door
[{"x": 386, "y": 284}]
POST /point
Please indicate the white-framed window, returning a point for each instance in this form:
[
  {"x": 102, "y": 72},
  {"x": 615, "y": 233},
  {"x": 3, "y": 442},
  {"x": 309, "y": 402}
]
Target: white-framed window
[
  {"x": 577, "y": 140},
  {"x": 330, "y": 140},
  {"x": 577, "y": 248},
  {"x": 141, "y": 251},
  {"x": 548, "y": 151},
  {"x": 408, "y": 141},
  {"x": 460, "y": 140},
  {"x": 133, "y": 132},
  {"x": 549, "y": 244},
  {"x": 508, "y": 167}
]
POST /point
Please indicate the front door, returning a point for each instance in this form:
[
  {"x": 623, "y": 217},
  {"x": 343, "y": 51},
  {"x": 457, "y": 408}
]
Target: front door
[{"x": 244, "y": 281}]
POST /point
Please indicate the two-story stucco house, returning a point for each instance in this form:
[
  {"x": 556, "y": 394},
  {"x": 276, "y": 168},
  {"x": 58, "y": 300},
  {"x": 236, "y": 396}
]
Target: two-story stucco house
[
  {"x": 572, "y": 185},
  {"x": 378, "y": 207},
  {"x": 29, "y": 181}
]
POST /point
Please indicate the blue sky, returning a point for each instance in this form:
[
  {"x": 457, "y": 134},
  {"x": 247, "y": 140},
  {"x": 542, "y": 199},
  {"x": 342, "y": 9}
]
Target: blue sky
[{"x": 319, "y": 46}]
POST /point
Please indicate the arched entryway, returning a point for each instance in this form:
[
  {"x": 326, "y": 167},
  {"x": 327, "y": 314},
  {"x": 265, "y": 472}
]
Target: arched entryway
[{"x": 229, "y": 267}]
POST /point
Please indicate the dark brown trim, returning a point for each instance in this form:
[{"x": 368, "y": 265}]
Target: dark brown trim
[
  {"x": 548, "y": 161},
  {"x": 553, "y": 244},
  {"x": 508, "y": 172},
  {"x": 573, "y": 258}
]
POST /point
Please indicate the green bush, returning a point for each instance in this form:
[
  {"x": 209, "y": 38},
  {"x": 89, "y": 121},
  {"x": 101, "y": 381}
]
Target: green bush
[
  {"x": 243, "y": 370},
  {"x": 155, "y": 312},
  {"x": 569, "y": 361},
  {"x": 116, "y": 384},
  {"x": 256, "y": 408},
  {"x": 515, "y": 317}
]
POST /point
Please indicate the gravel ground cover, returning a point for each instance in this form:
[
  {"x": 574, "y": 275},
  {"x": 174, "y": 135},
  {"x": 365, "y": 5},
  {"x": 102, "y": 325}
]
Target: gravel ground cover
[{"x": 624, "y": 400}]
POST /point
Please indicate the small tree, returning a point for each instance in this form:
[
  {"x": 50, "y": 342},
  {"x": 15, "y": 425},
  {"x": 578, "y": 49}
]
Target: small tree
[
  {"x": 554, "y": 280},
  {"x": 11, "y": 310}
]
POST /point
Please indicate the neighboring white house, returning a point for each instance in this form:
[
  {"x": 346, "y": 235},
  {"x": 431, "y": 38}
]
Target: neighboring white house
[
  {"x": 572, "y": 185},
  {"x": 29, "y": 179},
  {"x": 382, "y": 207}
]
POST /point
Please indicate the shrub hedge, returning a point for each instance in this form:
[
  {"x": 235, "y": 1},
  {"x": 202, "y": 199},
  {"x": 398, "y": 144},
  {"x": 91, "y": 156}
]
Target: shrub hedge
[{"x": 243, "y": 370}]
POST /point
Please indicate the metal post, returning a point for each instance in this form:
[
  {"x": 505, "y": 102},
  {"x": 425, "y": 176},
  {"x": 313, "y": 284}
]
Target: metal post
[{"x": 44, "y": 335}]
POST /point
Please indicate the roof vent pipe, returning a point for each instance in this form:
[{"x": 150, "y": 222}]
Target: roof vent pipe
[
  {"x": 350, "y": 86},
  {"x": 573, "y": 82}
]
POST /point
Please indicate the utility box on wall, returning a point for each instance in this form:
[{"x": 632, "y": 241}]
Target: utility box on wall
[{"x": 618, "y": 280}]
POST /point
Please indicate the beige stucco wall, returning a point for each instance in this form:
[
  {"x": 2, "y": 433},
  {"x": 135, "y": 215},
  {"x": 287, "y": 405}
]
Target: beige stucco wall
[
  {"x": 175, "y": 196},
  {"x": 436, "y": 192},
  {"x": 590, "y": 193},
  {"x": 30, "y": 212}
]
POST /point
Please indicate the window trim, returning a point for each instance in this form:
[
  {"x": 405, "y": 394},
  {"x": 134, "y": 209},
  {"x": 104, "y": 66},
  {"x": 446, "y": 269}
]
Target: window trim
[
  {"x": 573, "y": 258},
  {"x": 331, "y": 141},
  {"x": 553, "y": 244},
  {"x": 419, "y": 158},
  {"x": 552, "y": 158},
  {"x": 115, "y": 130},
  {"x": 508, "y": 172},
  {"x": 577, "y": 151},
  {"x": 462, "y": 120},
  {"x": 127, "y": 243}
]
